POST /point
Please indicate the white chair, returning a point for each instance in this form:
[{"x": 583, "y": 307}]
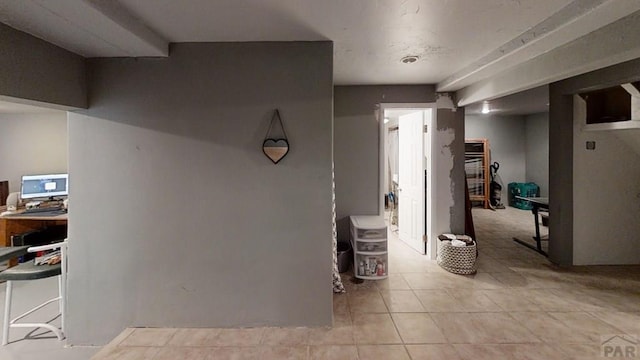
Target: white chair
[{"x": 29, "y": 271}]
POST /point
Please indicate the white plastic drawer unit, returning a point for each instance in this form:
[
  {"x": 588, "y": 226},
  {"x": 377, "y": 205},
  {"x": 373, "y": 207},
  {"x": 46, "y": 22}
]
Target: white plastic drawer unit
[{"x": 369, "y": 241}]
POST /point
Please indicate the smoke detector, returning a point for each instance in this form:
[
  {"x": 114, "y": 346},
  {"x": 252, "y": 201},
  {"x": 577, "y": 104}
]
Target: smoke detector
[{"x": 409, "y": 59}]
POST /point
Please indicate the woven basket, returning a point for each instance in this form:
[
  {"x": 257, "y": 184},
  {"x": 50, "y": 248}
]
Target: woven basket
[{"x": 458, "y": 260}]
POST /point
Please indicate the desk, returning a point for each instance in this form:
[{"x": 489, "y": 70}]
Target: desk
[
  {"x": 16, "y": 224},
  {"x": 538, "y": 203}
]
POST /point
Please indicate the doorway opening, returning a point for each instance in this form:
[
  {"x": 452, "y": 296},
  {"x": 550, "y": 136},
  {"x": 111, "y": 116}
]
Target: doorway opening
[{"x": 406, "y": 173}]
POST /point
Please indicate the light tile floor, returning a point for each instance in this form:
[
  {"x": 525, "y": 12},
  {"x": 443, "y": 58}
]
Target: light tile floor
[{"x": 518, "y": 306}]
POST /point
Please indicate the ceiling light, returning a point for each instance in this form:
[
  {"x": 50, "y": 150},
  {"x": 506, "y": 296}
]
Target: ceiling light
[
  {"x": 485, "y": 107},
  {"x": 409, "y": 59}
]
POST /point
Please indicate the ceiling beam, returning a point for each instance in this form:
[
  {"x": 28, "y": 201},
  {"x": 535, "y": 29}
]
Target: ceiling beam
[
  {"x": 615, "y": 43},
  {"x": 140, "y": 36},
  {"x": 575, "y": 20},
  {"x": 90, "y": 28}
]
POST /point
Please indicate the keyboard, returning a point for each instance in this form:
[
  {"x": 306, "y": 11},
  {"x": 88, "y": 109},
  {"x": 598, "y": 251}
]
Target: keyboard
[{"x": 44, "y": 210}]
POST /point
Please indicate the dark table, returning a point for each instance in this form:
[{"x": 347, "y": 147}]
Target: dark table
[{"x": 538, "y": 203}]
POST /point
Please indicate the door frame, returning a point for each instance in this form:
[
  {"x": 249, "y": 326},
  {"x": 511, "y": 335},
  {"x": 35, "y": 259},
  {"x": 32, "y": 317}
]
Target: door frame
[{"x": 430, "y": 219}]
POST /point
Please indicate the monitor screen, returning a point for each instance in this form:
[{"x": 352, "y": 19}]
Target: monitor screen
[{"x": 43, "y": 186}]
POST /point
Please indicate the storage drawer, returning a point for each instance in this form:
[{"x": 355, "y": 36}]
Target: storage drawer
[
  {"x": 371, "y": 246},
  {"x": 371, "y": 266},
  {"x": 370, "y": 234},
  {"x": 368, "y": 227}
]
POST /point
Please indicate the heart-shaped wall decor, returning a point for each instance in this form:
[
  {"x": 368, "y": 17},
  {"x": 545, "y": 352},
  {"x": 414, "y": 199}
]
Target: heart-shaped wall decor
[
  {"x": 275, "y": 149},
  {"x": 274, "y": 146}
]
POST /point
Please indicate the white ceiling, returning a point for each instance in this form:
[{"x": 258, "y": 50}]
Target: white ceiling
[{"x": 459, "y": 42}]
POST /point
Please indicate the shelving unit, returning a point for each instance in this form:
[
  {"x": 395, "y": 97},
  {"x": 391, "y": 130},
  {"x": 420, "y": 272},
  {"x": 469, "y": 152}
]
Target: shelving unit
[
  {"x": 369, "y": 242},
  {"x": 476, "y": 166}
]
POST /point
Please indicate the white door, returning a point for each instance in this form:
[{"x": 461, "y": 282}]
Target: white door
[{"x": 411, "y": 198}]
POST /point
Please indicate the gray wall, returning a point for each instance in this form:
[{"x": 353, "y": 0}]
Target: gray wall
[
  {"x": 32, "y": 143},
  {"x": 356, "y": 149},
  {"x": 565, "y": 179},
  {"x": 506, "y": 135},
  {"x": 356, "y": 145},
  {"x": 450, "y": 172},
  {"x": 33, "y": 69},
  {"x": 606, "y": 193},
  {"x": 196, "y": 227},
  {"x": 537, "y": 151}
]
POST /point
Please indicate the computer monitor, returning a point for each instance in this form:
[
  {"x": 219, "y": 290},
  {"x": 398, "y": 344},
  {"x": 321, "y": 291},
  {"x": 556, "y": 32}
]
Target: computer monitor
[{"x": 44, "y": 186}]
